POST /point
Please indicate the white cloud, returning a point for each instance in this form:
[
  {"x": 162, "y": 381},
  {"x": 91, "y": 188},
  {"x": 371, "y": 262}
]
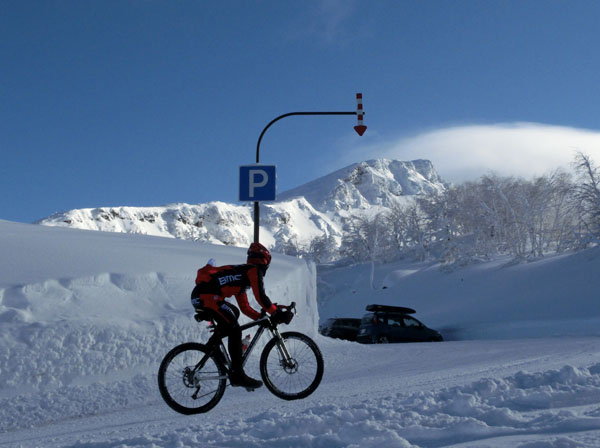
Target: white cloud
[
  {"x": 467, "y": 152},
  {"x": 331, "y": 16},
  {"x": 327, "y": 21}
]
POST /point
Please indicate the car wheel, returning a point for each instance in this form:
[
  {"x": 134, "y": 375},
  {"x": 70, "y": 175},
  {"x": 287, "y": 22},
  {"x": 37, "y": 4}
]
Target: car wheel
[{"x": 383, "y": 340}]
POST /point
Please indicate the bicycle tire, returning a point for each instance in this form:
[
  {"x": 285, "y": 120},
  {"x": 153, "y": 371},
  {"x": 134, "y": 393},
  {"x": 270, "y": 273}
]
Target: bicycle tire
[
  {"x": 178, "y": 386},
  {"x": 296, "y": 381}
]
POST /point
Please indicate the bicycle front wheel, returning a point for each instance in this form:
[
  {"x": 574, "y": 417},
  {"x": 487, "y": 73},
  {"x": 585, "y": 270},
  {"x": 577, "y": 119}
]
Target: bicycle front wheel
[
  {"x": 190, "y": 381},
  {"x": 299, "y": 375}
]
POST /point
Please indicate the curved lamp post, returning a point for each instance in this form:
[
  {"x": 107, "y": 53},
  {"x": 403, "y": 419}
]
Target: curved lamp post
[{"x": 360, "y": 128}]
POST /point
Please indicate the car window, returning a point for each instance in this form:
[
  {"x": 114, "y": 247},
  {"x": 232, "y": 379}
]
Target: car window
[
  {"x": 410, "y": 322},
  {"x": 368, "y": 318},
  {"x": 394, "y": 321}
]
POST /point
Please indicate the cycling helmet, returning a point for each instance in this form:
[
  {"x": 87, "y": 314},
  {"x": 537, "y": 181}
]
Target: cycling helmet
[{"x": 259, "y": 255}]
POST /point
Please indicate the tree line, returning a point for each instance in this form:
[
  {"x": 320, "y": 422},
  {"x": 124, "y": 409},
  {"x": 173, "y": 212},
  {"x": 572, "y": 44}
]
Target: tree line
[{"x": 478, "y": 220}]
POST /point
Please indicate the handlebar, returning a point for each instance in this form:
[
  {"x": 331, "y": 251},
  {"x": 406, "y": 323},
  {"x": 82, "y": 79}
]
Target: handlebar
[{"x": 291, "y": 306}]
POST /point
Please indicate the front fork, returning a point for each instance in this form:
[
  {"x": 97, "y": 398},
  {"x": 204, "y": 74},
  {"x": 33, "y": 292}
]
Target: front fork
[{"x": 287, "y": 362}]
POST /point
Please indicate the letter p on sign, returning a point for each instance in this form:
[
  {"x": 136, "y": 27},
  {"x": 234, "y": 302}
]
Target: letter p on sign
[
  {"x": 254, "y": 175},
  {"x": 257, "y": 183}
]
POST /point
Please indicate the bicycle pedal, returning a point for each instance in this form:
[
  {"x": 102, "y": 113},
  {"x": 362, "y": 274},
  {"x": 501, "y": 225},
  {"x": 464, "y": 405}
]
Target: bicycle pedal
[{"x": 250, "y": 389}]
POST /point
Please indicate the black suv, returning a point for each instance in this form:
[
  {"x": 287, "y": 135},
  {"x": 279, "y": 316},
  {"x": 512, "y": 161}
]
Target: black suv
[
  {"x": 341, "y": 328},
  {"x": 385, "y": 324}
]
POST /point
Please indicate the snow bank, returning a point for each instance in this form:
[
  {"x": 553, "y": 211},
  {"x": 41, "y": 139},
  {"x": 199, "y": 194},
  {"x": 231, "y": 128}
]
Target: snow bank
[{"x": 86, "y": 317}]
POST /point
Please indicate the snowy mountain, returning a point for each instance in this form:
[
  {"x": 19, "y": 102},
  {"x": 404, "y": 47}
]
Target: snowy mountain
[
  {"x": 315, "y": 209},
  {"x": 362, "y": 185}
]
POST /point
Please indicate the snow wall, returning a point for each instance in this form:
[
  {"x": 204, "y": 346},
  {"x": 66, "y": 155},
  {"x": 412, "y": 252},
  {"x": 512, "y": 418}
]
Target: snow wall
[{"x": 86, "y": 317}]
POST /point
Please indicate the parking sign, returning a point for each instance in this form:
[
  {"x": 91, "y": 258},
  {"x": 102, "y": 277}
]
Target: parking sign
[{"x": 257, "y": 183}]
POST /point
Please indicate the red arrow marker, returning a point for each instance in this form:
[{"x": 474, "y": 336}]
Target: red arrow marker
[{"x": 360, "y": 129}]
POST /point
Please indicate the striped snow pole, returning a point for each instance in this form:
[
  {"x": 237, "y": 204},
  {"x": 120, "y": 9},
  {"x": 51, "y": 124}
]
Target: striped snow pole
[
  {"x": 360, "y": 128},
  {"x": 359, "y": 108}
]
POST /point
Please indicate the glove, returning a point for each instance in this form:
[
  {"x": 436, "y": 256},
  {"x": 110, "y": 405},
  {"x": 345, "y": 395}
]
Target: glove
[{"x": 281, "y": 316}]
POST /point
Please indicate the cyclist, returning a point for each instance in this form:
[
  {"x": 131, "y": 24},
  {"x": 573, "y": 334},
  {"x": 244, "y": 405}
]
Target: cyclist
[{"x": 215, "y": 283}]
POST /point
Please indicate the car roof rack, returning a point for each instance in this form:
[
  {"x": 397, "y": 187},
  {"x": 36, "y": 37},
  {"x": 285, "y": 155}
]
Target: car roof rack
[{"x": 390, "y": 309}]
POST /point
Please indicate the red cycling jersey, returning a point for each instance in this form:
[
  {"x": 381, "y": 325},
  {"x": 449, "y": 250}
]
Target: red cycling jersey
[{"x": 215, "y": 283}]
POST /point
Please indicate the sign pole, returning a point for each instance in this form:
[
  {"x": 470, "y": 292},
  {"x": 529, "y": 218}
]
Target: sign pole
[{"x": 256, "y": 220}]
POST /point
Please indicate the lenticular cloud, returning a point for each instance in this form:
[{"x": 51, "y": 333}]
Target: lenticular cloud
[{"x": 512, "y": 149}]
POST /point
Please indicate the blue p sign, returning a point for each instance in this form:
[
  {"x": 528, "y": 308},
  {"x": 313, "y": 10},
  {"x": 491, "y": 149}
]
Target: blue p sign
[{"x": 257, "y": 183}]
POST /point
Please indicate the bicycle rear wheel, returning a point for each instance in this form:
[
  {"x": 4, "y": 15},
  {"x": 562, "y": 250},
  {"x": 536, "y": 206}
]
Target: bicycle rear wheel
[
  {"x": 187, "y": 385},
  {"x": 300, "y": 375}
]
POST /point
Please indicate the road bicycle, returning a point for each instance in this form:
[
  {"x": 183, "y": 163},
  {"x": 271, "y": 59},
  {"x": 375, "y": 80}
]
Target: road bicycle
[{"x": 192, "y": 377}]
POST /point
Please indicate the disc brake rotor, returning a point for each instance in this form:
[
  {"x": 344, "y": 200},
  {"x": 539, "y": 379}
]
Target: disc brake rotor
[
  {"x": 290, "y": 366},
  {"x": 188, "y": 378}
]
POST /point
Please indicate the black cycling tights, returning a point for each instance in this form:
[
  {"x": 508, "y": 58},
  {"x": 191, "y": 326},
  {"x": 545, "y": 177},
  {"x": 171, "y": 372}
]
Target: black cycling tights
[{"x": 227, "y": 322}]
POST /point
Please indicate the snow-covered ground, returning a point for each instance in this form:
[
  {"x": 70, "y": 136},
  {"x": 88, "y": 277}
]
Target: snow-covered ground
[
  {"x": 85, "y": 318},
  {"x": 556, "y": 296}
]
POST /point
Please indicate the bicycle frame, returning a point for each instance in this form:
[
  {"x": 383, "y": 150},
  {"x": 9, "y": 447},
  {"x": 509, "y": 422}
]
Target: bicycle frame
[{"x": 216, "y": 341}]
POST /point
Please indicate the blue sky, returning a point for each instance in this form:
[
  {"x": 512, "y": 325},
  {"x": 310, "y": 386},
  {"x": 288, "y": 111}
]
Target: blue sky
[{"x": 107, "y": 103}]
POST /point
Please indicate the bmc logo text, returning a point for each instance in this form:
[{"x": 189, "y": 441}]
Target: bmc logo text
[{"x": 229, "y": 278}]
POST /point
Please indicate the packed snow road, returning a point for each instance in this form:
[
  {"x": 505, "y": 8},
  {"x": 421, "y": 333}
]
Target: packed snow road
[{"x": 503, "y": 393}]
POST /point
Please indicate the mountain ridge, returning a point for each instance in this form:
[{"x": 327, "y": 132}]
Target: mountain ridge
[
  {"x": 317, "y": 209},
  {"x": 397, "y": 177}
]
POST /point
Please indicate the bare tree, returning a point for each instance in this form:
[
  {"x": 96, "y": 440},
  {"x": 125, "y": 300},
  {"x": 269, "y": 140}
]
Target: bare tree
[
  {"x": 364, "y": 239},
  {"x": 476, "y": 220},
  {"x": 323, "y": 249},
  {"x": 588, "y": 193}
]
